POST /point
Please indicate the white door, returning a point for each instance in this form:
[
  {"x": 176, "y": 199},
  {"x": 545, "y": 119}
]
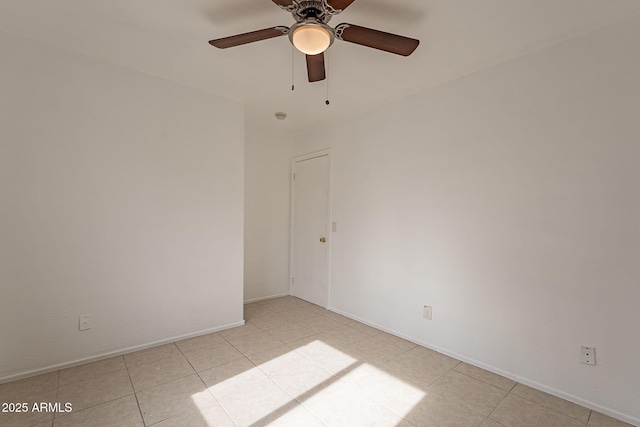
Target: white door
[{"x": 310, "y": 229}]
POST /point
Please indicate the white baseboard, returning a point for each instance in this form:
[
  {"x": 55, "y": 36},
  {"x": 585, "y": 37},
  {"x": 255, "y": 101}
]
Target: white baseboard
[
  {"x": 247, "y": 301},
  {"x": 526, "y": 381},
  {"x": 102, "y": 356}
]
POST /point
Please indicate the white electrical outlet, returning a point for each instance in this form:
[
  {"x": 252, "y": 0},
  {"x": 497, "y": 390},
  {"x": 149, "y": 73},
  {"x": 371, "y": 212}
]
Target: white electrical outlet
[
  {"x": 84, "y": 323},
  {"x": 588, "y": 355},
  {"x": 427, "y": 312}
]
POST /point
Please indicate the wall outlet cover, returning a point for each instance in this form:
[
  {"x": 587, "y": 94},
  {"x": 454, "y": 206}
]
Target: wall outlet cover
[
  {"x": 84, "y": 323},
  {"x": 588, "y": 355}
]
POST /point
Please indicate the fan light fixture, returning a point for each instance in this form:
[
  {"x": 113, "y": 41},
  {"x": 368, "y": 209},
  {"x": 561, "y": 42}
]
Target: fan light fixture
[
  {"x": 311, "y": 38},
  {"x": 311, "y": 35}
]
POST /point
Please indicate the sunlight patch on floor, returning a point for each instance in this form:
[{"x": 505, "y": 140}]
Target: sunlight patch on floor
[
  {"x": 328, "y": 382},
  {"x": 385, "y": 388}
]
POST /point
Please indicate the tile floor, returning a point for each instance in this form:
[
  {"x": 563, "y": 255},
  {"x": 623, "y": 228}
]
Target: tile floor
[{"x": 292, "y": 364}]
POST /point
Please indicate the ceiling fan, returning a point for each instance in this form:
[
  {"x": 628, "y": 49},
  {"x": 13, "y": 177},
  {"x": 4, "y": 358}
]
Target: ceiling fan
[{"x": 312, "y": 36}]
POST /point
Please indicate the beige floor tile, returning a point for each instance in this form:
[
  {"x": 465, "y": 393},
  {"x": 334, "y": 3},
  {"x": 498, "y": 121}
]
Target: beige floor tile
[
  {"x": 95, "y": 391},
  {"x": 435, "y": 357},
  {"x": 206, "y": 415},
  {"x": 343, "y": 336},
  {"x": 515, "y": 411},
  {"x": 336, "y": 317},
  {"x": 472, "y": 393},
  {"x": 297, "y": 314},
  {"x": 364, "y": 328},
  {"x": 486, "y": 376},
  {"x": 239, "y": 375},
  {"x": 600, "y": 420},
  {"x": 151, "y": 354},
  {"x": 240, "y": 331},
  {"x": 341, "y": 405},
  {"x": 209, "y": 357},
  {"x": 303, "y": 378},
  {"x": 303, "y": 303},
  {"x": 316, "y": 309},
  {"x": 302, "y": 365},
  {"x": 318, "y": 323},
  {"x": 377, "y": 350},
  {"x": 159, "y": 372},
  {"x": 173, "y": 398},
  {"x": 266, "y": 322},
  {"x": 384, "y": 387},
  {"x": 414, "y": 366},
  {"x": 258, "y": 405},
  {"x": 292, "y": 414},
  {"x": 91, "y": 370},
  {"x": 13, "y": 391},
  {"x": 280, "y": 304},
  {"x": 290, "y": 333},
  {"x": 121, "y": 412},
  {"x": 197, "y": 343},
  {"x": 397, "y": 341},
  {"x": 30, "y": 417},
  {"x": 568, "y": 408},
  {"x": 436, "y": 410},
  {"x": 277, "y": 359},
  {"x": 304, "y": 341},
  {"x": 330, "y": 358},
  {"x": 255, "y": 343},
  {"x": 254, "y": 309}
]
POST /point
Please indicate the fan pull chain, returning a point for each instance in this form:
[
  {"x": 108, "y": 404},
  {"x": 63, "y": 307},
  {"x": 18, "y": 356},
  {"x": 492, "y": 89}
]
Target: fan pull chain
[
  {"x": 293, "y": 86},
  {"x": 326, "y": 58}
]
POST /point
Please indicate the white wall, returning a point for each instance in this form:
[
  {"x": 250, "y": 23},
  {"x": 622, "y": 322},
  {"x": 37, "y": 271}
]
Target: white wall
[
  {"x": 121, "y": 197},
  {"x": 509, "y": 201},
  {"x": 266, "y": 246}
]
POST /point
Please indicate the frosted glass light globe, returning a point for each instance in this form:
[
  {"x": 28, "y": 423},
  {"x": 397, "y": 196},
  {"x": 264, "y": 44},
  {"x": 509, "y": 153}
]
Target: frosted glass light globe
[{"x": 311, "y": 39}]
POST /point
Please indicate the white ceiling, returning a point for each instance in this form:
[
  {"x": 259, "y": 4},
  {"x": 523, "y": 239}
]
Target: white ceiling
[{"x": 168, "y": 38}]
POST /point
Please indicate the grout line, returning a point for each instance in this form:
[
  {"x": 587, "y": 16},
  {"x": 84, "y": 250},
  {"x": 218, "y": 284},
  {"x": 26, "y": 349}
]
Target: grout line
[
  {"x": 499, "y": 403},
  {"x": 57, "y": 391},
  {"x": 216, "y": 399},
  {"x": 293, "y": 398},
  {"x": 205, "y": 384},
  {"x": 550, "y": 408},
  {"x": 99, "y": 404},
  {"x": 485, "y": 382},
  {"x": 93, "y": 376},
  {"x": 135, "y": 394}
]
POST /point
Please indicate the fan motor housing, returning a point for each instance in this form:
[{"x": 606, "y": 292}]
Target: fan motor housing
[{"x": 305, "y": 9}]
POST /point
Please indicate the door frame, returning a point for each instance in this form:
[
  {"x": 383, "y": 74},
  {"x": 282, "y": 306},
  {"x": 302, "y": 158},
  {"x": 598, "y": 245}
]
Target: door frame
[{"x": 321, "y": 153}]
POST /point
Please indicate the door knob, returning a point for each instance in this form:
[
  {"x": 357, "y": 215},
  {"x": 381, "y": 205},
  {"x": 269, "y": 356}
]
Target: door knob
[{"x": 322, "y": 240}]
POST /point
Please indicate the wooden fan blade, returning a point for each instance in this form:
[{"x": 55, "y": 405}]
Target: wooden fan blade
[
  {"x": 315, "y": 67},
  {"x": 339, "y": 4},
  {"x": 282, "y": 3},
  {"x": 388, "y": 42},
  {"x": 253, "y": 36}
]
